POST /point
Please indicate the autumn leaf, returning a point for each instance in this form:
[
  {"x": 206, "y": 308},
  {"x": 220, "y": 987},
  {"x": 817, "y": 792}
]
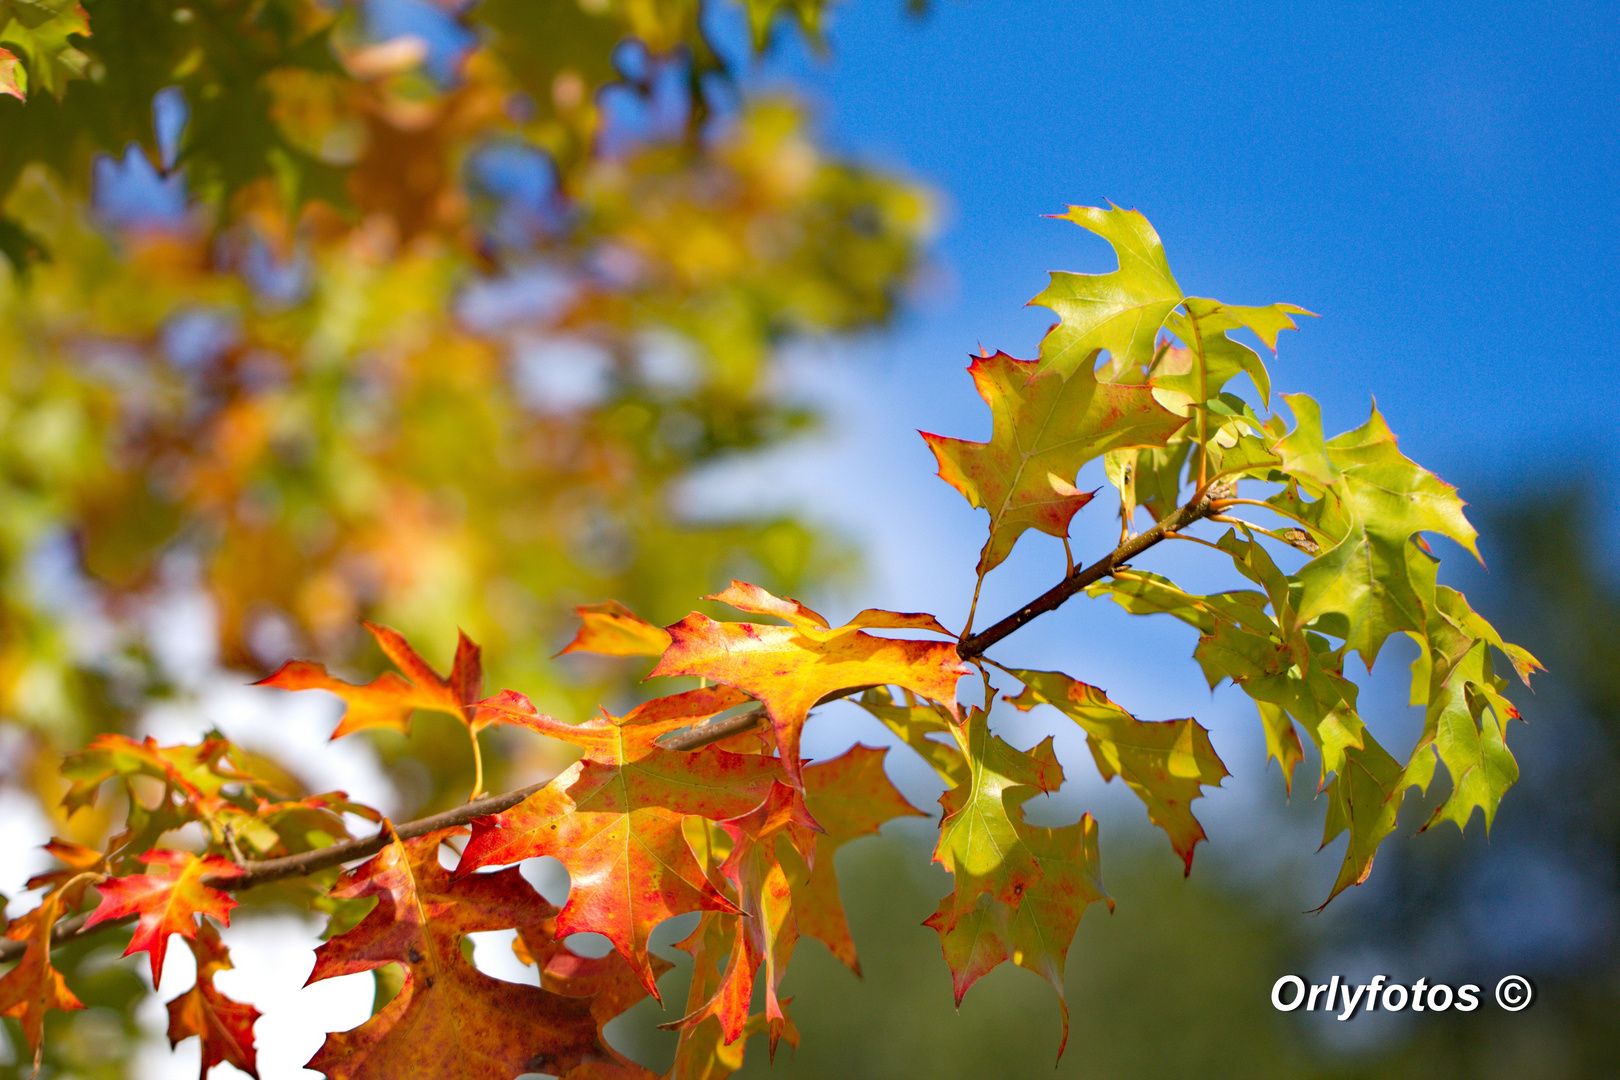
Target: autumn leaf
[
  {"x": 792, "y": 668},
  {"x": 611, "y": 738},
  {"x": 609, "y": 981},
  {"x": 612, "y": 629},
  {"x": 1035, "y": 934},
  {"x": 166, "y": 902},
  {"x": 40, "y": 30},
  {"x": 1120, "y": 312},
  {"x": 1165, "y": 762},
  {"x": 449, "y": 1021},
  {"x": 979, "y": 839},
  {"x": 849, "y": 797},
  {"x": 703, "y": 1053},
  {"x": 766, "y": 928},
  {"x": 223, "y": 1026},
  {"x": 1044, "y": 427},
  {"x": 78, "y": 858},
  {"x": 1373, "y": 502},
  {"x": 614, "y": 820},
  {"x": 34, "y": 986},
  {"x": 13, "y": 76},
  {"x": 389, "y": 699},
  {"x": 924, "y": 727}
]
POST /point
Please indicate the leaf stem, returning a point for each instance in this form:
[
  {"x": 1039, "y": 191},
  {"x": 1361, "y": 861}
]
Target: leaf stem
[{"x": 478, "y": 764}]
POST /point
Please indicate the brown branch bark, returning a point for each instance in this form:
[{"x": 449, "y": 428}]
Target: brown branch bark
[{"x": 975, "y": 644}]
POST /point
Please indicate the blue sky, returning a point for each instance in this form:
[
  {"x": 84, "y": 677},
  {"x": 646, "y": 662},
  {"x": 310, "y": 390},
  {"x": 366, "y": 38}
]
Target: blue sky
[{"x": 1437, "y": 181}]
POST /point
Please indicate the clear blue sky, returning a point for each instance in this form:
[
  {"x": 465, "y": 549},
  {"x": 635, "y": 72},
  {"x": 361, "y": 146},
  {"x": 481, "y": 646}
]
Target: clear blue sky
[{"x": 1439, "y": 181}]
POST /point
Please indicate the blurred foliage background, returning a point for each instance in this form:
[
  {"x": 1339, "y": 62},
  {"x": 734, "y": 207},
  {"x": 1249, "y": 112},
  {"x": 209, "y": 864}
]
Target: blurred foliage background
[{"x": 420, "y": 312}]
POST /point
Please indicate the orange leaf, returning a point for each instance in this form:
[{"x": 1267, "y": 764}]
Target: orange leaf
[
  {"x": 766, "y": 930},
  {"x": 389, "y": 699},
  {"x": 1045, "y": 428},
  {"x": 34, "y": 986},
  {"x": 791, "y": 668},
  {"x": 849, "y": 796},
  {"x": 612, "y": 629},
  {"x": 167, "y": 901},
  {"x": 78, "y": 858},
  {"x": 614, "y": 819},
  {"x": 225, "y": 1027},
  {"x": 449, "y": 1021}
]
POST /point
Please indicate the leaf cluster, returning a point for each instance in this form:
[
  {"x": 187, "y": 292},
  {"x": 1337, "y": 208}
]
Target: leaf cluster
[{"x": 701, "y": 801}]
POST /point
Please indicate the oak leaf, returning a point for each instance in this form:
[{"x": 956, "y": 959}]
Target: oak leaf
[
  {"x": 614, "y": 818},
  {"x": 1166, "y": 762},
  {"x": 849, "y": 797},
  {"x": 1121, "y": 311},
  {"x": 1044, "y": 428},
  {"x": 792, "y": 668},
  {"x": 34, "y": 986},
  {"x": 1035, "y": 934},
  {"x": 449, "y": 1021},
  {"x": 167, "y": 902},
  {"x": 1373, "y": 503},
  {"x": 979, "y": 837},
  {"x": 612, "y": 629},
  {"x": 389, "y": 700},
  {"x": 224, "y": 1027},
  {"x": 766, "y": 928}
]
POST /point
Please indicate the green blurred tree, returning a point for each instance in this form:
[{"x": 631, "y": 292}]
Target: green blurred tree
[{"x": 418, "y": 331}]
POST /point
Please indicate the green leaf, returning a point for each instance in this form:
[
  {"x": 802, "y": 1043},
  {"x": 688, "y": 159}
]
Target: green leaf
[
  {"x": 918, "y": 725},
  {"x": 979, "y": 841},
  {"x": 1165, "y": 762},
  {"x": 1044, "y": 428},
  {"x": 1037, "y": 933},
  {"x": 1120, "y": 312},
  {"x": 1363, "y": 799},
  {"x": 1374, "y": 502},
  {"x": 39, "y": 30}
]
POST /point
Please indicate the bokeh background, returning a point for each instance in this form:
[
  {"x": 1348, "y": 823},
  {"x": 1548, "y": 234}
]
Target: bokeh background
[{"x": 221, "y": 452}]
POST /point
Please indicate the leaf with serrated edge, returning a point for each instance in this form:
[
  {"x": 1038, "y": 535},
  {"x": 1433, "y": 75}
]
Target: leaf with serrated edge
[
  {"x": 1044, "y": 428},
  {"x": 1036, "y": 935},
  {"x": 614, "y": 820},
  {"x": 766, "y": 926},
  {"x": 979, "y": 842},
  {"x": 33, "y": 985},
  {"x": 1120, "y": 312},
  {"x": 611, "y": 629},
  {"x": 1165, "y": 762},
  {"x": 849, "y": 797},
  {"x": 449, "y": 1021},
  {"x": 224, "y": 1027},
  {"x": 166, "y": 902},
  {"x": 791, "y": 668},
  {"x": 388, "y": 700}
]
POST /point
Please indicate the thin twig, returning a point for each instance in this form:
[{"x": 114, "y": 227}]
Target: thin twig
[{"x": 1080, "y": 579}]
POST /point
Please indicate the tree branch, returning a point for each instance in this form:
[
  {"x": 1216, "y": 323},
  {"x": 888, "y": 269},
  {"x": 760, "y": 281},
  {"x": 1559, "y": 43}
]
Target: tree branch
[
  {"x": 693, "y": 738},
  {"x": 1177, "y": 520},
  {"x": 262, "y": 873}
]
